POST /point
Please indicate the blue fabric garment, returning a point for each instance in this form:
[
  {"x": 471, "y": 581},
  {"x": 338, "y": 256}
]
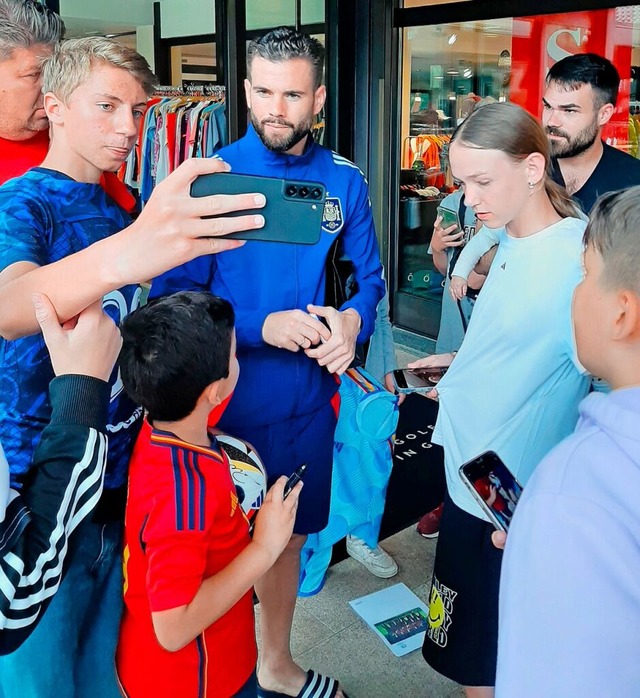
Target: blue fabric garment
[
  {"x": 516, "y": 383},
  {"x": 569, "y": 594},
  {"x": 149, "y": 133},
  {"x": 362, "y": 461},
  {"x": 261, "y": 278},
  {"x": 44, "y": 217}
]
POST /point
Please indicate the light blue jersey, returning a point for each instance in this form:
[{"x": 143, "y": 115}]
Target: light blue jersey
[{"x": 515, "y": 384}]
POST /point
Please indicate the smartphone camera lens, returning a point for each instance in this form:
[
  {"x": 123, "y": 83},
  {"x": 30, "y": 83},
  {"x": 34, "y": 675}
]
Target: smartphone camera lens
[
  {"x": 316, "y": 193},
  {"x": 291, "y": 190},
  {"x": 304, "y": 192}
]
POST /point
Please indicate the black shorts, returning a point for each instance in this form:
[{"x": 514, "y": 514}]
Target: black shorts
[{"x": 462, "y": 638}]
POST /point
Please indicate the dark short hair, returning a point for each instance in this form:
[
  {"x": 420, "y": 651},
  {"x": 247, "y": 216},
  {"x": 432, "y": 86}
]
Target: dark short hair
[
  {"x": 172, "y": 349},
  {"x": 285, "y": 44},
  {"x": 588, "y": 69},
  {"x": 614, "y": 232}
]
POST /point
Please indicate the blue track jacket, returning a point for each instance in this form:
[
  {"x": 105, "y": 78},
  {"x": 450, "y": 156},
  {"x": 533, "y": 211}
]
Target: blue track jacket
[{"x": 262, "y": 278}]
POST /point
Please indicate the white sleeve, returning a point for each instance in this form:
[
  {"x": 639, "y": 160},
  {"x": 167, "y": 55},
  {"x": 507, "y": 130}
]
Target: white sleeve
[{"x": 480, "y": 243}]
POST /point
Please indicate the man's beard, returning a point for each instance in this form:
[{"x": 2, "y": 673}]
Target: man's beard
[
  {"x": 570, "y": 147},
  {"x": 288, "y": 139}
]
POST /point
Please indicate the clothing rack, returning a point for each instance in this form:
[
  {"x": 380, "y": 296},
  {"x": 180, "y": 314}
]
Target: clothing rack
[
  {"x": 181, "y": 122},
  {"x": 190, "y": 90}
]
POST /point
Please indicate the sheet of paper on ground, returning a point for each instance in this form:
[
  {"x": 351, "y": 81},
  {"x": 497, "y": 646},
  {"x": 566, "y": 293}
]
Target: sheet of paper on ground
[{"x": 397, "y": 616}]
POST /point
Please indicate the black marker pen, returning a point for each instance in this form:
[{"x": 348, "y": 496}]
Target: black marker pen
[{"x": 293, "y": 480}]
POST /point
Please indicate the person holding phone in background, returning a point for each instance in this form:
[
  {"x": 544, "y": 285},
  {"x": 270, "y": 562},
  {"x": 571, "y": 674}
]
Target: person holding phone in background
[
  {"x": 501, "y": 156},
  {"x": 285, "y": 400}
]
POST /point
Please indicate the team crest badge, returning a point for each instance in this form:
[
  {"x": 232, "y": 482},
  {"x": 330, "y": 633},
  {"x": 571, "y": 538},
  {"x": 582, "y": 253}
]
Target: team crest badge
[{"x": 332, "y": 219}]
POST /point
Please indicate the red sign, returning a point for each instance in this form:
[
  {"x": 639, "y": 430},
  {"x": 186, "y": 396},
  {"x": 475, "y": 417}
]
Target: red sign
[{"x": 539, "y": 42}]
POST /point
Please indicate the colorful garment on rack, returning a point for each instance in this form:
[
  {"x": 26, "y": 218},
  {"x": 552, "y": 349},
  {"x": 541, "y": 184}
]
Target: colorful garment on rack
[{"x": 174, "y": 129}]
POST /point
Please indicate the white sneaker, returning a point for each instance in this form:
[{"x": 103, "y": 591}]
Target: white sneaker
[{"x": 376, "y": 560}]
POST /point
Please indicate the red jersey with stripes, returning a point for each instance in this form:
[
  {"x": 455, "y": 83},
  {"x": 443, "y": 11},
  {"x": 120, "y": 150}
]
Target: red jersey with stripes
[{"x": 183, "y": 524}]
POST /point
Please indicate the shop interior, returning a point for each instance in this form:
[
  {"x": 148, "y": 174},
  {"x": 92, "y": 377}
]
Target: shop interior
[{"x": 448, "y": 69}]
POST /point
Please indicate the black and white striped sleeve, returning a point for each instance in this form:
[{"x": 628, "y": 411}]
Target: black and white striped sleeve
[{"x": 36, "y": 540}]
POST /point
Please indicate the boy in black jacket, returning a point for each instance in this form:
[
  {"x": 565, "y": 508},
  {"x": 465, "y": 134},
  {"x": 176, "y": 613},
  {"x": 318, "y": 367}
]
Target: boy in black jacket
[{"x": 37, "y": 525}]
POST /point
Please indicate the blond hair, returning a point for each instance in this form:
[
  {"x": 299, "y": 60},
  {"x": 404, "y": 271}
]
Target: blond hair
[
  {"x": 71, "y": 63},
  {"x": 509, "y": 128}
]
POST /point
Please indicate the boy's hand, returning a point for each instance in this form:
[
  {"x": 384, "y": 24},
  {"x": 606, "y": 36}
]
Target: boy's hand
[
  {"x": 87, "y": 345},
  {"x": 172, "y": 230},
  {"x": 458, "y": 287},
  {"x": 274, "y": 522}
]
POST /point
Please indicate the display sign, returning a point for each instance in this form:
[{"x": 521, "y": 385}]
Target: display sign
[{"x": 539, "y": 42}]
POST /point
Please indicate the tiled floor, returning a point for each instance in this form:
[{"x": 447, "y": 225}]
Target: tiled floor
[{"x": 328, "y": 636}]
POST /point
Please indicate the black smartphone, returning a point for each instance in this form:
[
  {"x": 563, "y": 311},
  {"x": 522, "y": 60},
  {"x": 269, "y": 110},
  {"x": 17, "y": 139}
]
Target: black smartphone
[
  {"x": 293, "y": 480},
  {"x": 293, "y": 212},
  {"x": 409, "y": 380},
  {"x": 493, "y": 486}
]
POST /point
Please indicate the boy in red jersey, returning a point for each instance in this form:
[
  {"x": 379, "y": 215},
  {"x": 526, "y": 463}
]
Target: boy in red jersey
[{"x": 190, "y": 565}]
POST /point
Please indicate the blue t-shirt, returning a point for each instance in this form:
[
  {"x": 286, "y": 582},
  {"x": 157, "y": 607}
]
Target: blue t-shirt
[
  {"x": 44, "y": 217},
  {"x": 516, "y": 383}
]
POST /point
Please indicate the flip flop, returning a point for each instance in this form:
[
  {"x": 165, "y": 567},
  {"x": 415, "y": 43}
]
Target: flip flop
[{"x": 316, "y": 686}]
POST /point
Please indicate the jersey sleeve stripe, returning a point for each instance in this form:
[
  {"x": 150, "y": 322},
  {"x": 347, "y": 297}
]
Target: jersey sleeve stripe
[
  {"x": 202, "y": 668},
  {"x": 177, "y": 479},
  {"x": 190, "y": 500},
  {"x": 190, "y": 492},
  {"x": 201, "y": 490}
]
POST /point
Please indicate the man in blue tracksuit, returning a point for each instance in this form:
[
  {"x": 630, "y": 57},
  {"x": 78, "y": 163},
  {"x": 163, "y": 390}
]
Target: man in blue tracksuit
[{"x": 284, "y": 401}]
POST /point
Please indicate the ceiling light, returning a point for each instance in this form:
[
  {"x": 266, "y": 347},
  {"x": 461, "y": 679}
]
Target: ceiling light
[{"x": 452, "y": 39}]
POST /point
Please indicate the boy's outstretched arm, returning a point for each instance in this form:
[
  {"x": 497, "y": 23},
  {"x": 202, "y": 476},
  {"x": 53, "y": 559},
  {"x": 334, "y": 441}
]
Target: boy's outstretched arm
[
  {"x": 169, "y": 232},
  {"x": 177, "y": 627},
  {"x": 40, "y": 523}
]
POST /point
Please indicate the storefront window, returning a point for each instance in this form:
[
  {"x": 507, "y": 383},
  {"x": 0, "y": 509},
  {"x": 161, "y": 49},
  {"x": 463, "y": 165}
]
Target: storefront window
[{"x": 447, "y": 70}]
